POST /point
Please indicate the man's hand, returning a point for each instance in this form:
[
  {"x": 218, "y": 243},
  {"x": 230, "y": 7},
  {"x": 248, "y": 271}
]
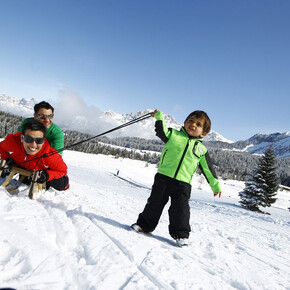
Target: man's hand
[
  {"x": 7, "y": 167},
  {"x": 43, "y": 177},
  {"x": 218, "y": 194}
]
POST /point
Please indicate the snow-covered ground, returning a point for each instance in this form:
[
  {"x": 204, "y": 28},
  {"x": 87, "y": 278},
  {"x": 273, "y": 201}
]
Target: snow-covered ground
[{"x": 81, "y": 238}]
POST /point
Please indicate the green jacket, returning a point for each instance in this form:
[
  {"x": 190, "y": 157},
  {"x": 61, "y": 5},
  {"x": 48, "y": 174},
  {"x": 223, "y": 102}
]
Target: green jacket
[
  {"x": 54, "y": 135},
  {"x": 182, "y": 155}
]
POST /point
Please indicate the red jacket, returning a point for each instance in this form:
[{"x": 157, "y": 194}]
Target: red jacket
[{"x": 54, "y": 165}]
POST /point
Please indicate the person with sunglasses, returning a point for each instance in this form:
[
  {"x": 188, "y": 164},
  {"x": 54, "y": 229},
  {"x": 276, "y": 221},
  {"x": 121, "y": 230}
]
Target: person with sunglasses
[
  {"x": 44, "y": 113},
  {"x": 30, "y": 150}
]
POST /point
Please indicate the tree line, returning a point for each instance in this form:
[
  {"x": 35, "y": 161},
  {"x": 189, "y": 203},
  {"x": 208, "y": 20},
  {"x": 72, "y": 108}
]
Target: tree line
[{"x": 227, "y": 163}]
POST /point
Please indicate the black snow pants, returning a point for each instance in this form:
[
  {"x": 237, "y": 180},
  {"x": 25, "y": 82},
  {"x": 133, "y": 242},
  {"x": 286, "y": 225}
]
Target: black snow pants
[
  {"x": 58, "y": 184},
  {"x": 61, "y": 183},
  {"x": 179, "y": 212}
]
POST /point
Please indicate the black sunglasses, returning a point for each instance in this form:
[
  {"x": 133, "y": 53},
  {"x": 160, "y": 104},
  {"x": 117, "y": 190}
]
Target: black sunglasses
[
  {"x": 42, "y": 116},
  {"x": 29, "y": 139}
]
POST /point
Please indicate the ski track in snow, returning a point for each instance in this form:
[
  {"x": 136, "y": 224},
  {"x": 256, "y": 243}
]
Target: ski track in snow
[{"x": 81, "y": 238}]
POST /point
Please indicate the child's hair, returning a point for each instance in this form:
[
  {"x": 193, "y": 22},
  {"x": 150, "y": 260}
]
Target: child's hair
[
  {"x": 44, "y": 105},
  {"x": 201, "y": 115},
  {"x": 33, "y": 125}
]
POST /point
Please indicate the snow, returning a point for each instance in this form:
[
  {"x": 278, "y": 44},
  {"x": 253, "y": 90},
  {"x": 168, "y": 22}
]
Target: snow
[
  {"x": 215, "y": 136},
  {"x": 81, "y": 238},
  {"x": 13, "y": 105}
]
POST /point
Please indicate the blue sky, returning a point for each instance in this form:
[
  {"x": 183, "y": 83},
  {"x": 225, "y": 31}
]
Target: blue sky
[{"x": 229, "y": 58}]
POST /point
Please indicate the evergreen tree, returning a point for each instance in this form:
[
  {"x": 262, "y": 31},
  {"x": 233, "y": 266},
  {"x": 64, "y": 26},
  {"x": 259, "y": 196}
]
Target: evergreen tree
[
  {"x": 268, "y": 165},
  {"x": 262, "y": 185},
  {"x": 252, "y": 195}
]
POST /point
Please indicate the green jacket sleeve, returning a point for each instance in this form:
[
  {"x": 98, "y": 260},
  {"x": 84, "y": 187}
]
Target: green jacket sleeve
[
  {"x": 160, "y": 127},
  {"x": 209, "y": 173}
]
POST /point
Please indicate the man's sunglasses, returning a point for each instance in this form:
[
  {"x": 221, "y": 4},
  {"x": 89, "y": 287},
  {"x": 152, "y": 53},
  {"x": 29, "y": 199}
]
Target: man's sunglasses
[
  {"x": 42, "y": 116},
  {"x": 29, "y": 139}
]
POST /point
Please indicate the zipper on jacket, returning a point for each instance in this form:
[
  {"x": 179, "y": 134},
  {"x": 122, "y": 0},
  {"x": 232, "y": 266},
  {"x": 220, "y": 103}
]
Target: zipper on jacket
[
  {"x": 182, "y": 157},
  {"x": 193, "y": 149}
]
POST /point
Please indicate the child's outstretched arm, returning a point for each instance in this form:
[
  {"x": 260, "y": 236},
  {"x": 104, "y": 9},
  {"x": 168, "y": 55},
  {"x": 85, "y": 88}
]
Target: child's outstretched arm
[
  {"x": 210, "y": 174},
  {"x": 161, "y": 130}
]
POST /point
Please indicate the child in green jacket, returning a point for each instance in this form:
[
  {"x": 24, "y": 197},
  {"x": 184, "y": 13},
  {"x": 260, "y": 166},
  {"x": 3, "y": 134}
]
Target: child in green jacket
[{"x": 182, "y": 154}]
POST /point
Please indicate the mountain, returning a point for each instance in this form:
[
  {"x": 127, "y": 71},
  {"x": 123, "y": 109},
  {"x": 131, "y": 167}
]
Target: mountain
[
  {"x": 22, "y": 107},
  {"x": 258, "y": 143},
  {"x": 170, "y": 122},
  {"x": 215, "y": 136},
  {"x": 91, "y": 120}
]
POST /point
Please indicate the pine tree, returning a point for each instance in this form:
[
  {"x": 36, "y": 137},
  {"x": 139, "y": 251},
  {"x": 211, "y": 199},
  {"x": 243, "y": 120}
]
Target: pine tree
[
  {"x": 262, "y": 185},
  {"x": 268, "y": 165},
  {"x": 252, "y": 195}
]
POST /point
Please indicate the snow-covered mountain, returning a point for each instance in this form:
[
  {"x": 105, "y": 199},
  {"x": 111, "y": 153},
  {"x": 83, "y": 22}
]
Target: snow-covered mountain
[
  {"x": 215, "y": 136},
  {"x": 91, "y": 120},
  {"x": 260, "y": 142},
  {"x": 170, "y": 121},
  {"x": 74, "y": 114},
  {"x": 257, "y": 144},
  {"x": 22, "y": 107}
]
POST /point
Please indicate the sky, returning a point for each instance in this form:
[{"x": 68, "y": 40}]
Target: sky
[{"x": 228, "y": 58}]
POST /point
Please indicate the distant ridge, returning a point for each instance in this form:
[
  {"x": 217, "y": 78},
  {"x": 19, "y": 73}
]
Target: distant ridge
[
  {"x": 170, "y": 122},
  {"x": 22, "y": 107},
  {"x": 97, "y": 122}
]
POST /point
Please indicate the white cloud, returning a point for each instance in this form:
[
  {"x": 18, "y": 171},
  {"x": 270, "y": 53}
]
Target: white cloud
[{"x": 71, "y": 112}]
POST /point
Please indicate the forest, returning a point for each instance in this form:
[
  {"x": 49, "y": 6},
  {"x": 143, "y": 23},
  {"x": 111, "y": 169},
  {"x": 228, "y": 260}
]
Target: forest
[{"x": 227, "y": 163}]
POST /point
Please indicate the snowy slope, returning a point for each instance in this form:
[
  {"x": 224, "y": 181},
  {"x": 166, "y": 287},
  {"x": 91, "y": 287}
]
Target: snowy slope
[{"x": 80, "y": 239}]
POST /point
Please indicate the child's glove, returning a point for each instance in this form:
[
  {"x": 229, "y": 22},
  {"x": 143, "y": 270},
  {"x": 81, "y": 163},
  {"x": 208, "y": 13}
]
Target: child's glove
[
  {"x": 43, "y": 177},
  {"x": 152, "y": 114},
  {"x": 218, "y": 193},
  {"x": 7, "y": 167}
]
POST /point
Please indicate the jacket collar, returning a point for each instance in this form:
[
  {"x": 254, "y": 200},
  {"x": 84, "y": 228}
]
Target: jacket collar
[{"x": 191, "y": 138}]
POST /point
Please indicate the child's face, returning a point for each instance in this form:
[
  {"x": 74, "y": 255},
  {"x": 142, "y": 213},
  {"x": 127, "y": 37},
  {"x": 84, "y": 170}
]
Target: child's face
[{"x": 194, "y": 127}]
